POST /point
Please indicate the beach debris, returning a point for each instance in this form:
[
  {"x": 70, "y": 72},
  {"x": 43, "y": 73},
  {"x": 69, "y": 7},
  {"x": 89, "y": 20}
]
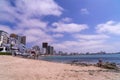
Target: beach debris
[
  {"x": 107, "y": 65},
  {"x": 79, "y": 63},
  {"x": 91, "y": 72}
]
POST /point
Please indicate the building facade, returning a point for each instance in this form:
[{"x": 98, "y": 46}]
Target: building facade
[
  {"x": 50, "y": 50},
  {"x": 4, "y": 41},
  {"x": 4, "y": 38},
  {"x": 18, "y": 42}
]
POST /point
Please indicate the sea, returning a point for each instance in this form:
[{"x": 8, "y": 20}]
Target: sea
[{"x": 89, "y": 58}]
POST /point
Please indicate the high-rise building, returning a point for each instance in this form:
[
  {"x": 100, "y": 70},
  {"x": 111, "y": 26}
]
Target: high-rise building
[
  {"x": 23, "y": 40},
  {"x": 44, "y": 44},
  {"x": 4, "y": 41},
  {"x": 18, "y": 42},
  {"x": 50, "y": 50},
  {"x": 4, "y": 38}
]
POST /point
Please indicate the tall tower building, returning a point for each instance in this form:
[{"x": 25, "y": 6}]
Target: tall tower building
[
  {"x": 23, "y": 40},
  {"x": 44, "y": 46},
  {"x": 50, "y": 50}
]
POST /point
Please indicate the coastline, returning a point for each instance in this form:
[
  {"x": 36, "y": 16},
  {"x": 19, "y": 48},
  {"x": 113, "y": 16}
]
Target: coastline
[
  {"x": 88, "y": 59},
  {"x": 15, "y": 68}
]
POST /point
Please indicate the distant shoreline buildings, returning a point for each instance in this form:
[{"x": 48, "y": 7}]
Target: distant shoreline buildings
[
  {"x": 12, "y": 41},
  {"x": 47, "y": 49},
  {"x": 17, "y": 43}
]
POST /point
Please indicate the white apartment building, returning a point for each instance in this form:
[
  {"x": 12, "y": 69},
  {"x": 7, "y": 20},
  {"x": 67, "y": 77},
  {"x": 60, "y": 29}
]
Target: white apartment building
[
  {"x": 4, "y": 41},
  {"x": 18, "y": 42},
  {"x": 12, "y": 42},
  {"x": 4, "y": 38}
]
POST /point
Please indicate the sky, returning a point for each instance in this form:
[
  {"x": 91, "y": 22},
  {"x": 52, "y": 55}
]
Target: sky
[{"x": 68, "y": 25}]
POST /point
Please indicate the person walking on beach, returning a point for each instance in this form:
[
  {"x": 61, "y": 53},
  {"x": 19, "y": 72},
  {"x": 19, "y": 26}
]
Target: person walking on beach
[{"x": 100, "y": 63}]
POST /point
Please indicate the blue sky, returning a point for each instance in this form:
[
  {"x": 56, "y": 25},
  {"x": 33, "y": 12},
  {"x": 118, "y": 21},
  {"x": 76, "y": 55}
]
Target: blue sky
[{"x": 68, "y": 25}]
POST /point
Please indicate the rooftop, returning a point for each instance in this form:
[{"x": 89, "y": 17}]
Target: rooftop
[{"x": 3, "y": 31}]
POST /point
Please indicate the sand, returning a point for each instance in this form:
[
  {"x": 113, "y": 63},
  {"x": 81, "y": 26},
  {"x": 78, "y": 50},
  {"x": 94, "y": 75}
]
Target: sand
[{"x": 15, "y": 68}]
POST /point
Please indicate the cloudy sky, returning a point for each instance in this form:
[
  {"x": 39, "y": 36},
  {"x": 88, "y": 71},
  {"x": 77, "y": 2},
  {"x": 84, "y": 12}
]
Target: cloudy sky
[{"x": 68, "y": 25}]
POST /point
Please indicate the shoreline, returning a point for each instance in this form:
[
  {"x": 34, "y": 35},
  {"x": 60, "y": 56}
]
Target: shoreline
[
  {"x": 81, "y": 63},
  {"x": 16, "y": 68},
  {"x": 75, "y": 60},
  {"x": 90, "y": 59}
]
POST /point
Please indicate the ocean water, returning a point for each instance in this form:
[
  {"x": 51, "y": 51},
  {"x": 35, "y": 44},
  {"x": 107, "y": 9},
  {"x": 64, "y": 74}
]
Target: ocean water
[{"x": 84, "y": 58}]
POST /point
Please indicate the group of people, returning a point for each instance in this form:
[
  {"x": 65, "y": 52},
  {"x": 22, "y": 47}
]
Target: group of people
[{"x": 34, "y": 54}]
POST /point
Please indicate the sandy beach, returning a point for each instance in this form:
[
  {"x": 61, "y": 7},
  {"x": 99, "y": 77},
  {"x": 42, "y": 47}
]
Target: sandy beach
[{"x": 15, "y": 68}]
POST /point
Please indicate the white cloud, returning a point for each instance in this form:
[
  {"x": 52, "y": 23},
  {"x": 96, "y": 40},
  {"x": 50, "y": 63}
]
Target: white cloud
[
  {"x": 6, "y": 28},
  {"x": 82, "y": 46},
  {"x": 66, "y": 19},
  {"x": 85, "y": 43},
  {"x": 37, "y": 36},
  {"x": 6, "y": 17},
  {"x": 91, "y": 37},
  {"x": 31, "y": 38},
  {"x": 39, "y": 7},
  {"x": 84, "y": 11},
  {"x": 68, "y": 27},
  {"x": 90, "y": 43},
  {"x": 110, "y": 27},
  {"x": 28, "y": 8},
  {"x": 32, "y": 23},
  {"x": 57, "y": 35},
  {"x": 7, "y": 12}
]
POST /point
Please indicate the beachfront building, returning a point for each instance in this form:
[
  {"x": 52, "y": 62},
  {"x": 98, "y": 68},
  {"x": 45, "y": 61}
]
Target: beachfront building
[
  {"x": 4, "y": 41},
  {"x": 12, "y": 42},
  {"x": 50, "y": 50},
  {"x": 4, "y": 38},
  {"x": 18, "y": 42},
  {"x": 44, "y": 48},
  {"x": 47, "y": 49}
]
